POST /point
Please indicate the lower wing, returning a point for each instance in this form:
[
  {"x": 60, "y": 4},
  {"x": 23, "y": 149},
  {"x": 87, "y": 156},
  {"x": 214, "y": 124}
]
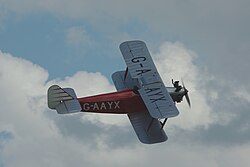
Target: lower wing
[{"x": 148, "y": 129}]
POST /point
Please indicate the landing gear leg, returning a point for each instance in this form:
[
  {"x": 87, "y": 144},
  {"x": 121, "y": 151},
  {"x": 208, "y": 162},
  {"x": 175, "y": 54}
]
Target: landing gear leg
[{"x": 163, "y": 123}]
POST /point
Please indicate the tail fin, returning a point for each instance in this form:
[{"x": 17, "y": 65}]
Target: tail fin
[{"x": 63, "y": 100}]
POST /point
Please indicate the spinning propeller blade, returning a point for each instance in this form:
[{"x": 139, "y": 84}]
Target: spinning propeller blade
[{"x": 186, "y": 94}]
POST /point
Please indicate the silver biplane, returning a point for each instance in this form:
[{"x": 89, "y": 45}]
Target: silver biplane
[{"x": 141, "y": 94}]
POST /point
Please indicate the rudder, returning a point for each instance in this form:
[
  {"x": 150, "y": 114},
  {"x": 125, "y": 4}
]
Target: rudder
[{"x": 63, "y": 100}]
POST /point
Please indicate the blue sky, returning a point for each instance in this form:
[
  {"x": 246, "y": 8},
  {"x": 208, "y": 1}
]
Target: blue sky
[
  {"x": 43, "y": 40},
  {"x": 211, "y": 34},
  {"x": 76, "y": 44}
]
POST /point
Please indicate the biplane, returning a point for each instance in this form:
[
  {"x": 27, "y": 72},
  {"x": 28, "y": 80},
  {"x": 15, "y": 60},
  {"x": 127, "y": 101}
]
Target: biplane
[{"x": 141, "y": 94}]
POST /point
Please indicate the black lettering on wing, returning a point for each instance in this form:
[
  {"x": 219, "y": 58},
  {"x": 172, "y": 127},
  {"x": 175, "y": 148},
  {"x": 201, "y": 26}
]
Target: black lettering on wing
[
  {"x": 149, "y": 90},
  {"x": 142, "y": 71},
  {"x": 138, "y": 59},
  {"x": 157, "y": 94},
  {"x": 162, "y": 98}
]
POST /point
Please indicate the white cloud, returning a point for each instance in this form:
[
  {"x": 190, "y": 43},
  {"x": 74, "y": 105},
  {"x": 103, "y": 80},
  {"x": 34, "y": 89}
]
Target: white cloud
[
  {"x": 218, "y": 31},
  {"x": 242, "y": 93},
  {"x": 77, "y": 36},
  {"x": 174, "y": 61},
  {"x": 169, "y": 10},
  {"x": 37, "y": 138},
  {"x": 85, "y": 83}
]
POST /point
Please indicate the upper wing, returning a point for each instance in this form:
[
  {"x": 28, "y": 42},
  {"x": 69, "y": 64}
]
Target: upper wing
[
  {"x": 158, "y": 101},
  {"x": 151, "y": 88},
  {"x": 138, "y": 59}
]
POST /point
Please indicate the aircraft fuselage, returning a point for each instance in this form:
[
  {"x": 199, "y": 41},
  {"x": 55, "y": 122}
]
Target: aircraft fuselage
[{"x": 122, "y": 102}]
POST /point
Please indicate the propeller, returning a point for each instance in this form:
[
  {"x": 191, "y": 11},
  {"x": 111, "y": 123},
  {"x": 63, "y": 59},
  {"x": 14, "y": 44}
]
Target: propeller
[{"x": 186, "y": 93}]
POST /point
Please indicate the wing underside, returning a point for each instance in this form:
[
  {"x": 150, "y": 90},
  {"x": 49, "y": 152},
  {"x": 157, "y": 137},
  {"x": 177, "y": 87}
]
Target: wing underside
[{"x": 147, "y": 128}]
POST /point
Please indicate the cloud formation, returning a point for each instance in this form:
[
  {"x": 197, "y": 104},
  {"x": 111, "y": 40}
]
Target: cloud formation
[
  {"x": 40, "y": 137},
  {"x": 218, "y": 31},
  {"x": 77, "y": 36},
  {"x": 212, "y": 133},
  {"x": 174, "y": 61}
]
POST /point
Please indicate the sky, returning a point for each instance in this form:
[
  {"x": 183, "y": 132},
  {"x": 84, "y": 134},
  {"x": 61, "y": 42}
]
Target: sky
[{"x": 76, "y": 44}]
